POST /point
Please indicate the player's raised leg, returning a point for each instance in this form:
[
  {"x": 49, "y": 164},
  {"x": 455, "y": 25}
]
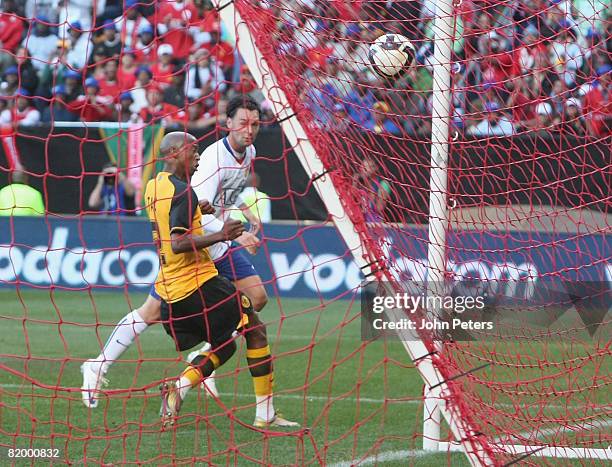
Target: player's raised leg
[
  {"x": 122, "y": 337},
  {"x": 189, "y": 322}
]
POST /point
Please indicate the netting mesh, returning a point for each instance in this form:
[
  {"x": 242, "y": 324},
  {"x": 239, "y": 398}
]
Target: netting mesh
[{"x": 529, "y": 182}]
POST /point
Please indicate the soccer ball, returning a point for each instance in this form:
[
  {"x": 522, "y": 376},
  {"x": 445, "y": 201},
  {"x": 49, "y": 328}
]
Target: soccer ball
[{"x": 391, "y": 55}]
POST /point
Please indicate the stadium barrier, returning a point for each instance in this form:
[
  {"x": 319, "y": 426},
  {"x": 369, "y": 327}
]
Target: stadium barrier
[
  {"x": 118, "y": 254},
  {"x": 64, "y": 163}
]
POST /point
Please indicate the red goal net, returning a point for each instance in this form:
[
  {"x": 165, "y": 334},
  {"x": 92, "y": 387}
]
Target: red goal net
[{"x": 87, "y": 93}]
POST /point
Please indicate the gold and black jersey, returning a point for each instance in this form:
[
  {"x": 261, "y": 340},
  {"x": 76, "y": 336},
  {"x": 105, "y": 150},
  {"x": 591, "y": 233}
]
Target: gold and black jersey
[{"x": 172, "y": 206}]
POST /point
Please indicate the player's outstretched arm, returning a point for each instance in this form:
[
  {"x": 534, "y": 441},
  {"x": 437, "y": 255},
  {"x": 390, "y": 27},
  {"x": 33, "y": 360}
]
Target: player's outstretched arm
[{"x": 186, "y": 242}]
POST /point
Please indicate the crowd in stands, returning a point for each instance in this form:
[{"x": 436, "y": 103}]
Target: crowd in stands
[
  {"x": 520, "y": 66},
  {"x": 135, "y": 61}
]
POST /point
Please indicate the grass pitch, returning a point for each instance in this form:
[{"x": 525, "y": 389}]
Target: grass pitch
[{"x": 360, "y": 401}]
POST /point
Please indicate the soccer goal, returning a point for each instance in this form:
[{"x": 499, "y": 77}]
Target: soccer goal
[
  {"x": 531, "y": 388},
  {"x": 438, "y": 265}
]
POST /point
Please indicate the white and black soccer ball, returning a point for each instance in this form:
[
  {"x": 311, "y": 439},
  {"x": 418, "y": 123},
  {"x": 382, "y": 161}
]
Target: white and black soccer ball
[{"x": 391, "y": 55}]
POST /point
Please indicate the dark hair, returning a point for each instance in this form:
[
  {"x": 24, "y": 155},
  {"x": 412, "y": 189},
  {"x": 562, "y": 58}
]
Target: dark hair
[{"x": 241, "y": 102}]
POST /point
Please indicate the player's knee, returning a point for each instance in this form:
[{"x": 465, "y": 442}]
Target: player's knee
[{"x": 150, "y": 311}]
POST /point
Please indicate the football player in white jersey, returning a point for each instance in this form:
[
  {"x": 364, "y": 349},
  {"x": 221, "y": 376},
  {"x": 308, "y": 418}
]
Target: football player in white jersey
[{"x": 221, "y": 175}]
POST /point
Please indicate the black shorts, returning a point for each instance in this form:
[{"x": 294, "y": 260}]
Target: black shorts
[{"x": 209, "y": 314}]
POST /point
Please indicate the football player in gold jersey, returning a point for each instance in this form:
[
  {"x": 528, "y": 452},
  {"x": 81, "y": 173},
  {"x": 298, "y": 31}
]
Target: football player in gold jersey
[{"x": 197, "y": 303}]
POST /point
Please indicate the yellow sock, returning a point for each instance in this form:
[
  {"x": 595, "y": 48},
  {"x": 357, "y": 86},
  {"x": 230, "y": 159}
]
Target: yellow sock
[
  {"x": 263, "y": 385},
  {"x": 193, "y": 375}
]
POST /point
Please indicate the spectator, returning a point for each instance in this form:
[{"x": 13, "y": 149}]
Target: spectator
[
  {"x": 109, "y": 84},
  {"x": 199, "y": 117},
  {"x": 520, "y": 102},
  {"x": 221, "y": 51},
  {"x": 545, "y": 115},
  {"x": 22, "y": 113},
  {"x": 56, "y": 69},
  {"x": 173, "y": 19},
  {"x": 81, "y": 12},
  {"x": 124, "y": 110},
  {"x": 195, "y": 114},
  {"x": 359, "y": 101},
  {"x": 340, "y": 80},
  {"x": 111, "y": 41},
  {"x": 72, "y": 85},
  {"x": 113, "y": 193},
  {"x": 20, "y": 199},
  {"x": 380, "y": 121},
  {"x": 80, "y": 45},
  {"x": 164, "y": 68},
  {"x": 146, "y": 49},
  {"x": 28, "y": 77},
  {"x": 496, "y": 63},
  {"x": 375, "y": 191},
  {"x": 257, "y": 201},
  {"x": 139, "y": 91},
  {"x": 203, "y": 76},
  {"x": 207, "y": 21},
  {"x": 42, "y": 8},
  {"x": 355, "y": 57},
  {"x": 90, "y": 107},
  {"x": 11, "y": 30},
  {"x": 558, "y": 96},
  {"x": 247, "y": 85},
  {"x": 158, "y": 111},
  {"x": 10, "y": 83},
  {"x": 131, "y": 24},
  {"x": 598, "y": 104},
  {"x": 566, "y": 56},
  {"x": 42, "y": 43},
  {"x": 340, "y": 121},
  {"x": 530, "y": 46},
  {"x": 3, "y": 104},
  {"x": 127, "y": 70},
  {"x": 58, "y": 111},
  {"x": 494, "y": 123},
  {"x": 542, "y": 79},
  {"x": 572, "y": 122},
  {"x": 98, "y": 61},
  {"x": 175, "y": 93}
]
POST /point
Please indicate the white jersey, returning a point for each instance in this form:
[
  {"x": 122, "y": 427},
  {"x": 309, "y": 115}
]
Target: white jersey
[{"x": 219, "y": 179}]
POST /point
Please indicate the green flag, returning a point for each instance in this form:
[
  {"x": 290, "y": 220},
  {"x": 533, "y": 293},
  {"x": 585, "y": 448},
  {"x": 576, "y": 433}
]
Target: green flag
[{"x": 134, "y": 149}]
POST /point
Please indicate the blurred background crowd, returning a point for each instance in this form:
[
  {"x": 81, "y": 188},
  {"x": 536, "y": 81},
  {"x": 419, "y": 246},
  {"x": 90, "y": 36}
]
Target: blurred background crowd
[
  {"x": 520, "y": 65},
  {"x": 102, "y": 60}
]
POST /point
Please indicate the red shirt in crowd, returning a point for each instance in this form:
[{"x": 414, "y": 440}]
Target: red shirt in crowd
[
  {"x": 111, "y": 89},
  {"x": 89, "y": 111},
  {"x": 126, "y": 78},
  {"x": 223, "y": 53},
  {"x": 177, "y": 17},
  {"x": 498, "y": 68},
  {"x": 522, "y": 108},
  {"x": 162, "y": 111},
  {"x": 145, "y": 54},
  {"x": 28, "y": 116},
  {"x": 11, "y": 29},
  {"x": 317, "y": 56},
  {"x": 597, "y": 107},
  {"x": 162, "y": 74}
]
